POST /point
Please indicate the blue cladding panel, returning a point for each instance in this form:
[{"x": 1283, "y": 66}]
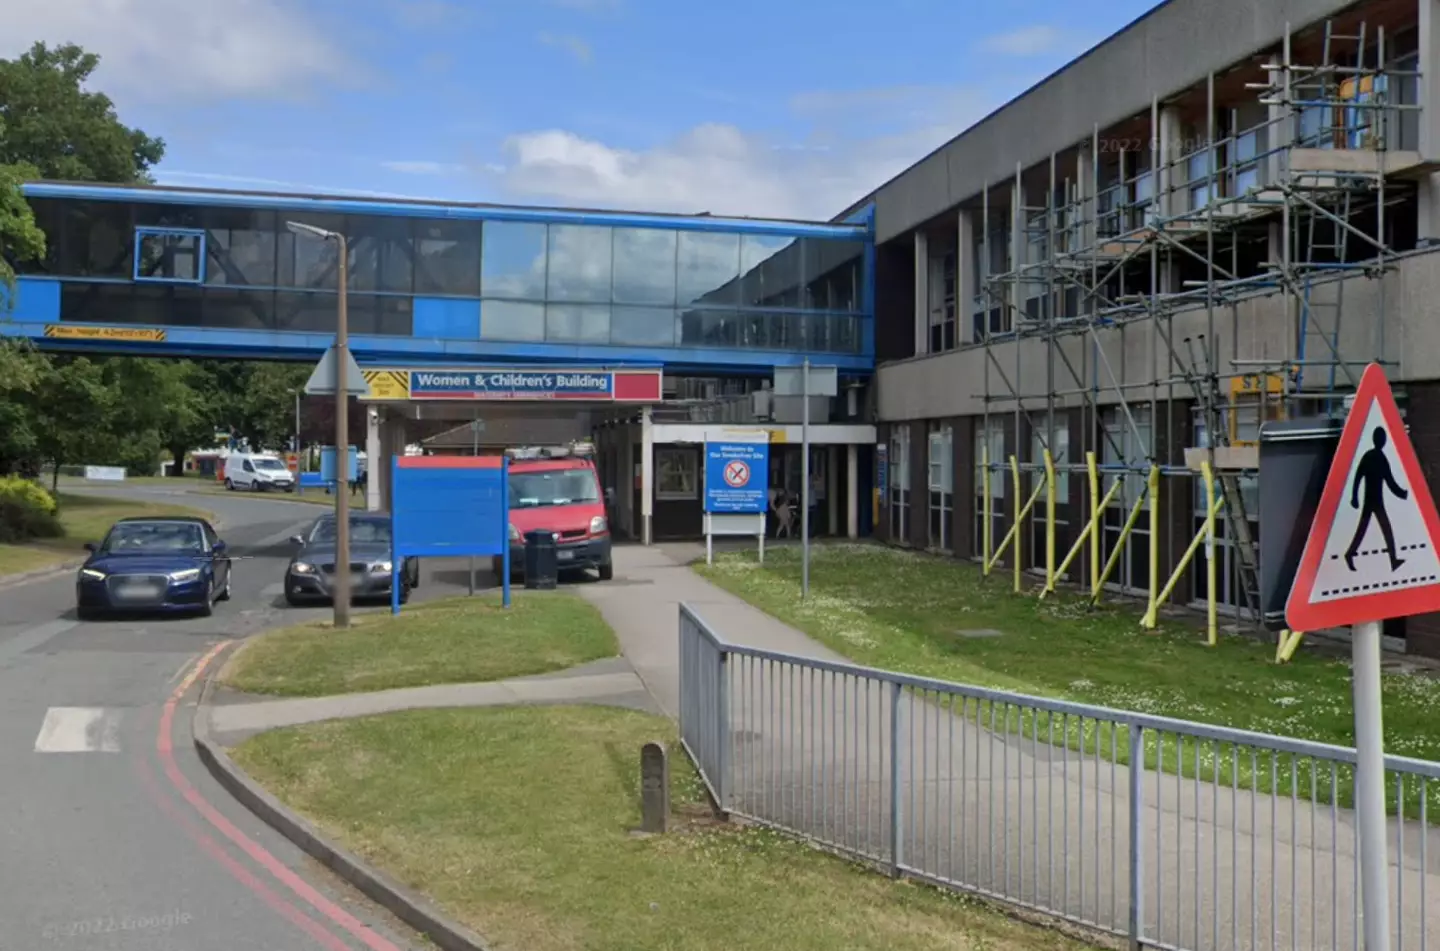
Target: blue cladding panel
[
  {"x": 36, "y": 298},
  {"x": 446, "y": 319}
]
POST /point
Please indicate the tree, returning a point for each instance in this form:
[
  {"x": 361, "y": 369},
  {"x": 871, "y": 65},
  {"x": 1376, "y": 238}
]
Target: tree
[
  {"x": 21, "y": 366},
  {"x": 49, "y": 120},
  {"x": 70, "y": 405},
  {"x": 20, "y": 239}
]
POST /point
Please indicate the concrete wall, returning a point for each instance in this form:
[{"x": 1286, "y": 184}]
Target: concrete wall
[
  {"x": 1172, "y": 47},
  {"x": 953, "y": 384}
]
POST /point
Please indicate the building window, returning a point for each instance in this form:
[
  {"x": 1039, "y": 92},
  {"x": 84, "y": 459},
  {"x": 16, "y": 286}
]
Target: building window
[
  {"x": 173, "y": 256},
  {"x": 579, "y": 264},
  {"x": 707, "y": 271},
  {"x": 992, "y": 439},
  {"x": 1125, "y": 452},
  {"x": 512, "y": 260},
  {"x": 677, "y": 474},
  {"x": 1059, "y": 445},
  {"x": 900, "y": 485},
  {"x": 941, "y": 484},
  {"x": 645, "y": 268},
  {"x": 447, "y": 258}
]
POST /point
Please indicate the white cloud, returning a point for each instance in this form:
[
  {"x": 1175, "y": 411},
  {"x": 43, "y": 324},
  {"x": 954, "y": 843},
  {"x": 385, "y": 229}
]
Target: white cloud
[
  {"x": 859, "y": 140},
  {"x": 572, "y": 44},
  {"x": 1026, "y": 41},
  {"x": 422, "y": 167},
  {"x": 181, "y": 50}
]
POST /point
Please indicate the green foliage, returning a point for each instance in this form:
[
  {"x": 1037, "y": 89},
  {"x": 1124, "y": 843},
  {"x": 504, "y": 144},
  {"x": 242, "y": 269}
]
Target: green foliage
[
  {"x": 20, "y": 239},
  {"x": 27, "y": 511},
  {"x": 64, "y": 130}
]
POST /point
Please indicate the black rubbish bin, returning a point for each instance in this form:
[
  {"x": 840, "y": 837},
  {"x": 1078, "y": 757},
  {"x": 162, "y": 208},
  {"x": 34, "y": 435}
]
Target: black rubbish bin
[{"x": 541, "y": 565}]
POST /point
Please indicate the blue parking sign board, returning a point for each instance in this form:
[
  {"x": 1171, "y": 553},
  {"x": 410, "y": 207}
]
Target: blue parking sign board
[{"x": 736, "y": 475}]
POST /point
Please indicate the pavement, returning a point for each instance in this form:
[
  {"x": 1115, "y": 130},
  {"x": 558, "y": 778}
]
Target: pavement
[{"x": 114, "y": 833}]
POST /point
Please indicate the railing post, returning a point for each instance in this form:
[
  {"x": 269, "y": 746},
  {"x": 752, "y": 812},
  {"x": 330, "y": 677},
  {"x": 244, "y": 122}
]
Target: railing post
[
  {"x": 897, "y": 855},
  {"x": 1137, "y": 809},
  {"x": 722, "y": 728}
]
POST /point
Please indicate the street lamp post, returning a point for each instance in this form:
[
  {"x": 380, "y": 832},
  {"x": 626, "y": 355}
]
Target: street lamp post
[{"x": 341, "y": 581}]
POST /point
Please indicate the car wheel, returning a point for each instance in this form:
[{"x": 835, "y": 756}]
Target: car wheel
[
  {"x": 207, "y": 608},
  {"x": 606, "y": 571},
  {"x": 404, "y": 594},
  {"x": 229, "y": 486},
  {"x": 225, "y": 591}
]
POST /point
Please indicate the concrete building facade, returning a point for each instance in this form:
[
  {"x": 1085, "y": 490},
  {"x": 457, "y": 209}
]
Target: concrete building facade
[{"x": 1213, "y": 219}]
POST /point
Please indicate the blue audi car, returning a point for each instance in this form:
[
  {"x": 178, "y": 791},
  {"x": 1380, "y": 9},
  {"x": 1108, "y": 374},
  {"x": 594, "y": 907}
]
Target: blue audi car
[{"x": 154, "y": 565}]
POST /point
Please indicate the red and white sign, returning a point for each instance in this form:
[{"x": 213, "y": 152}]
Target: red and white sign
[
  {"x": 737, "y": 474},
  {"x": 1371, "y": 554}
]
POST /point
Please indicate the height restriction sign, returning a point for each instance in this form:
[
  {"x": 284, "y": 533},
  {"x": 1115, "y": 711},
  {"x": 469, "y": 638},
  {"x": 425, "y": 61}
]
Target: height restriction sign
[{"x": 1371, "y": 553}]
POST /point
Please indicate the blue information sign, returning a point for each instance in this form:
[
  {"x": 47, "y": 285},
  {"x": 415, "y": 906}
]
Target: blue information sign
[{"x": 735, "y": 477}]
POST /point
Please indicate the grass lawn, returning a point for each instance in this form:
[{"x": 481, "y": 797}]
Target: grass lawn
[
  {"x": 516, "y": 821},
  {"x": 903, "y": 611},
  {"x": 458, "y": 640},
  {"x": 86, "y": 518}
]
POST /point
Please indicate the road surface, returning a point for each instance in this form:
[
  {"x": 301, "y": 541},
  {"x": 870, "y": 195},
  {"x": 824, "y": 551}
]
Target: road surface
[{"x": 113, "y": 835}]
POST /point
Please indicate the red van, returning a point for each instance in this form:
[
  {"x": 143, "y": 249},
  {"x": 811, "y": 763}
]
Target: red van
[{"x": 563, "y": 496}]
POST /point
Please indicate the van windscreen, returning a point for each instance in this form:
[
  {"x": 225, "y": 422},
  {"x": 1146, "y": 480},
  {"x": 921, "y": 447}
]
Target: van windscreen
[{"x": 552, "y": 487}]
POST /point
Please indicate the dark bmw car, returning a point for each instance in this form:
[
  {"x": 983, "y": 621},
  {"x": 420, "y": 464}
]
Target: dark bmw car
[
  {"x": 156, "y": 565},
  {"x": 310, "y": 577}
]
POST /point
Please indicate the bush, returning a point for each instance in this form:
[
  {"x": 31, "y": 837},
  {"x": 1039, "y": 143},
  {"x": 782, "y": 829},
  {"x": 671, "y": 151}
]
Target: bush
[{"x": 27, "y": 511}]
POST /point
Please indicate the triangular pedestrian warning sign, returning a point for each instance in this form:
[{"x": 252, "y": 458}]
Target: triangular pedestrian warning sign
[
  {"x": 1371, "y": 553},
  {"x": 322, "y": 380}
]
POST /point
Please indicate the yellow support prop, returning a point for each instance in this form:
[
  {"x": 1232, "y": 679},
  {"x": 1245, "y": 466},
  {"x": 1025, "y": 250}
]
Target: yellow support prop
[
  {"x": 1079, "y": 545},
  {"x": 1049, "y": 520},
  {"x": 1211, "y": 600},
  {"x": 1012, "y": 535},
  {"x": 1130, "y": 521},
  {"x": 985, "y": 508},
  {"x": 1289, "y": 644},
  {"x": 1095, "y": 509},
  {"x": 1151, "y": 617},
  {"x": 1019, "y": 518},
  {"x": 1154, "y": 490}
]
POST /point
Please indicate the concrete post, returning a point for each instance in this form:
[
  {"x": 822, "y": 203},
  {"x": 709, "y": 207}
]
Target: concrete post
[
  {"x": 374, "y": 459},
  {"x": 647, "y": 474},
  {"x": 1429, "y": 100},
  {"x": 1170, "y": 179},
  {"x": 392, "y": 444},
  {"x": 965, "y": 276},
  {"x": 832, "y": 490},
  {"x": 852, "y": 491},
  {"x": 922, "y": 293}
]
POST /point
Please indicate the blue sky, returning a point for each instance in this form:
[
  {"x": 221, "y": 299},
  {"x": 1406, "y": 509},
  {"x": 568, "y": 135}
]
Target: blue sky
[{"x": 781, "y": 107}]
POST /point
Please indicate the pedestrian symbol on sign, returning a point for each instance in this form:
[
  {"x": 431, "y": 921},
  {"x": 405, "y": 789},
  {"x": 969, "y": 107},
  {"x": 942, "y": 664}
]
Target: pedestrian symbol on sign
[
  {"x": 737, "y": 474},
  {"x": 1373, "y": 474}
]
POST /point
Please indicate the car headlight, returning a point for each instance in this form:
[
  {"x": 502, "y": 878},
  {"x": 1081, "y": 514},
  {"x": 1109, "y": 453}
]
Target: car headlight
[
  {"x": 90, "y": 574},
  {"x": 515, "y": 535},
  {"x": 380, "y": 568},
  {"x": 300, "y": 568},
  {"x": 189, "y": 574},
  {"x": 598, "y": 525}
]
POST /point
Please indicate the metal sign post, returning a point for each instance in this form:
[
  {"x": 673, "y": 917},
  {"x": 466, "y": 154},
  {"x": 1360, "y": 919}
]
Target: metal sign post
[{"x": 805, "y": 479}]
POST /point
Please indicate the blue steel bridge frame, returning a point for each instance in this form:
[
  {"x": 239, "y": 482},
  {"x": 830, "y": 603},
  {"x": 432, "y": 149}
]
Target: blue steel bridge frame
[{"x": 36, "y": 303}]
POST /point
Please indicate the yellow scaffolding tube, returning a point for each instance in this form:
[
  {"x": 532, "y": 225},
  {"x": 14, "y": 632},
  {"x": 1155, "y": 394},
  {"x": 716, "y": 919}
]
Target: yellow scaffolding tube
[
  {"x": 1049, "y": 520},
  {"x": 985, "y": 509},
  {"x": 1214, "y": 501},
  {"x": 1289, "y": 643},
  {"x": 1019, "y": 518},
  {"x": 1134, "y": 516},
  {"x": 1154, "y": 488},
  {"x": 1021, "y": 513},
  {"x": 1075, "y": 549},
  {"x": 1095, "y": 509}
]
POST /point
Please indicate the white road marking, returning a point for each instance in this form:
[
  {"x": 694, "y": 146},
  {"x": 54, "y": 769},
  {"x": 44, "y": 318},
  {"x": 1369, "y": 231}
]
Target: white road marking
[{"x": 79, "y": 730}]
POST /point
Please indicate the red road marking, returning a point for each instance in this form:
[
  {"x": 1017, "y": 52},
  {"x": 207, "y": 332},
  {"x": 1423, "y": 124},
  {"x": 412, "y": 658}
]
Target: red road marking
[{"x": 257, "y": 852}]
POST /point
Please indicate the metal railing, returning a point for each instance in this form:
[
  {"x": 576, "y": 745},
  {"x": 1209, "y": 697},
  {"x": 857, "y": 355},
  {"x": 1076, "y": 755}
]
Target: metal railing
[{"x": 1224, "y": 840}]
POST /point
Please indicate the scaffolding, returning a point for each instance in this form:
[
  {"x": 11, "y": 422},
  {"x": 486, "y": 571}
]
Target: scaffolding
[{"x": 1150, "y": 252}]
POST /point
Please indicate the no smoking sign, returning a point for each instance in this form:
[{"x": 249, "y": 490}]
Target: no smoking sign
[{"x": 737, "y": 474}]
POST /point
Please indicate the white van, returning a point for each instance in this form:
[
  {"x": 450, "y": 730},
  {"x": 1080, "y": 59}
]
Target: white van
[{"x": 257, "y": 472}]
